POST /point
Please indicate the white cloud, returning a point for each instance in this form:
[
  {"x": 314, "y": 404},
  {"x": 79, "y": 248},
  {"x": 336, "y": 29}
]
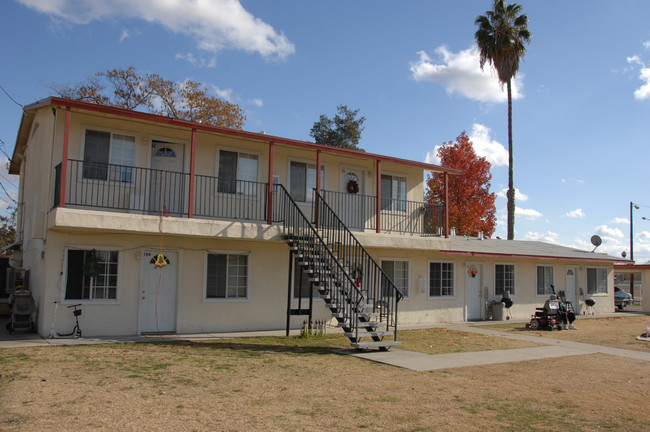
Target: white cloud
[
  {"x": 642, "y": 92},
  {"x": 461, "y": 73},
  {"x": 214, "y": 24},
  {"x": 646, "y": 44},
  {"x": 577, "y": 213},
  {"x": 198, "y": 62},
  {"x": 125, "y": 35},
  {"x": 519, "y": 196},
  {"x": 223, "y": 94},
  {"x": 528, "y": 214},
  {"x": 607, "y": 232},
  {"x": 485, "y": 146},
  {"x": 257, "y": 102},
  {"x": 621, "y": 221},
  {"x": 547, "y": 237}
]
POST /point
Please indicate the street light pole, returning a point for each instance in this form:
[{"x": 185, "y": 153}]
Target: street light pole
[{"x": 632, "y": 207}]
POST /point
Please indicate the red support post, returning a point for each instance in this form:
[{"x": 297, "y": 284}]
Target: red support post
[
  {"x": 190, "y": 210},
  {"x": 64, "y": 158},
  {"x": 269, "y": 196},
  {"x": 446, "y": 205},
  {"x": 378, "y": 203},
  {"x": 318, "y": 180}
]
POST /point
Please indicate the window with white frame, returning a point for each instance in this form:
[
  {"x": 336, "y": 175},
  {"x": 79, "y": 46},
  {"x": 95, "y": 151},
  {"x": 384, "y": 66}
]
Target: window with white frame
[
  {"x": 398, "y": 272},
  {"x": 103, "y": 148},
  {"x": 441, "y": 279},
  {"x": 597, "y": 280},
  {"x": 504, "y": 279},
  {"x": 91, "y": 274},
  {"x": 393, "y": 193},
  {"x": 237, "y": 173},
  {"x": 544, "y": 280},
  {"x": 302, "y": 180},
  {"x": 227, "y": 276}
]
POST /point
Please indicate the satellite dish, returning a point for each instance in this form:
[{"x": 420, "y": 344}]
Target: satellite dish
[{"x": 596, "y": 241}]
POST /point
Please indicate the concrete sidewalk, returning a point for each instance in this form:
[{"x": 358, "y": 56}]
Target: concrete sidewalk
[{"x": 554, "y": 348}]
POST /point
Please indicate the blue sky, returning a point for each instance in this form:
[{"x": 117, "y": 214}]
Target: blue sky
[{"x": 581, "y": 114}]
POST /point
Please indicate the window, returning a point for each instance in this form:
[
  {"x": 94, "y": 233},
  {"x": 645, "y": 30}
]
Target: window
[
  {"x": 92, "y": 275},
  {"x": 398, "y": 272},
  {"x": 393, "y": 193},
  {"x": 544, "y": 280},
  {"x": 441, "y": 279},
  {"x": 504, "y": 279},
  {"x": 237, "y": 173},
  {"x": 302, "y": 180},
  {"x": 597, "y": 280},
  {"x": 227, "y": 276},
  {"x": 102, "y": 148}
]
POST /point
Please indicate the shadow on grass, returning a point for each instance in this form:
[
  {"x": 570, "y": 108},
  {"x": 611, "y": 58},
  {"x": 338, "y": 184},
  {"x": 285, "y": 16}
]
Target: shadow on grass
[{"x": 315, "y": 346}]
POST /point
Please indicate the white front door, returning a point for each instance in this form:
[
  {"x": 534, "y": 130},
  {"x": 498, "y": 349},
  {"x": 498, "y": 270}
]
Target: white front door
[
  {"x": 350, "y": 205},
  {"x": 473, "y": 283},
  {"x": 167, "y": 189},
  {"x": 571, "y": 287},
  {"x": 157, "y": 309}
]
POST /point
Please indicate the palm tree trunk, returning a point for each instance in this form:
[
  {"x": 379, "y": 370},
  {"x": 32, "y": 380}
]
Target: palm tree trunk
[{"x": 511, "y": 189}]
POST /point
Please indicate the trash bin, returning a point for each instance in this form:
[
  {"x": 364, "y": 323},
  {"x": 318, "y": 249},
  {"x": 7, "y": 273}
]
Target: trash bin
[{"x": 497, "y": 311}]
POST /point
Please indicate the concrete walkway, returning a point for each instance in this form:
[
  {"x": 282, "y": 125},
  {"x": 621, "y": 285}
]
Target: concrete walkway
[
  {"x": 554, "y": 348},
  {"x": 396, "y": 357}
]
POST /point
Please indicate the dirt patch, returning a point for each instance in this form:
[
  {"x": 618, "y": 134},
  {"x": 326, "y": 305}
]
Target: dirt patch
[
  {"x": 265, "y": 384},
  {"x": 617, "y": 332}
]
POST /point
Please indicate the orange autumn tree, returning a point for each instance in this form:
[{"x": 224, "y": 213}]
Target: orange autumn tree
[{"x": 471, "y": 204}]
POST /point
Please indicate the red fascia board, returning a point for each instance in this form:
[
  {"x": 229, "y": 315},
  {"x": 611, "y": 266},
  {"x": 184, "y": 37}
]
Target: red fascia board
[
  {"x": 619, "y": 267},
  {"x": 233, "y": 132},
  {"x": 537, "y": 257}
]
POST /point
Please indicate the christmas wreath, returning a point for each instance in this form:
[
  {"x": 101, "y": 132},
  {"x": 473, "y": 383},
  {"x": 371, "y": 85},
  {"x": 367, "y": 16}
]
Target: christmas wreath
[
  {"x": 353, "y": 187},
  {"x": 91, "y": 266}
]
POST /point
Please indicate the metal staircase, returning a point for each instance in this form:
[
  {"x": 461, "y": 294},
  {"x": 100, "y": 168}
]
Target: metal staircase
[{"x": 359, "y": 295}]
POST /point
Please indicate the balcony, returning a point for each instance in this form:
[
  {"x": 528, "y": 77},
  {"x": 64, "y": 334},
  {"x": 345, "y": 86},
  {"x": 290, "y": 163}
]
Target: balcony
[{"x": 146, "y": 191}]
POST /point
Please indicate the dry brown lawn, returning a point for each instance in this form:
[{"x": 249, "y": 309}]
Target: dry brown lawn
[
  {"x": 617, "y": 332},
  {"x": 278, "y": 384}
]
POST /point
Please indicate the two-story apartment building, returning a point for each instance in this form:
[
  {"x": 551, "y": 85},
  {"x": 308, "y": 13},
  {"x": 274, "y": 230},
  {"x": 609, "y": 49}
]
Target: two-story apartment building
[{"x": 156, "y": 224}]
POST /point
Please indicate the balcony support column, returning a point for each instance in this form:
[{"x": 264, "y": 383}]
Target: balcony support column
[
  {"x": 269, "y": 192},
  {"x": 190, "y": 210},
  {"x": 378, "y": 201},
  {"x": 64, "y": 160},
  {"x": 446, "y": 205},
  {"x": 318, "y": 188}
]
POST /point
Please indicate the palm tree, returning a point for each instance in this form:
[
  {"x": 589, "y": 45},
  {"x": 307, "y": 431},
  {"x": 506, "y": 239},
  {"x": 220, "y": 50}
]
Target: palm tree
[{"x": 500, "y": 38}]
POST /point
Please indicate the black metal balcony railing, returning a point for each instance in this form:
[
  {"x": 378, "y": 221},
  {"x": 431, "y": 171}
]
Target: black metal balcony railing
[
  {"x": 360, "y": 212},
  {"x": 148, "y": 191}
]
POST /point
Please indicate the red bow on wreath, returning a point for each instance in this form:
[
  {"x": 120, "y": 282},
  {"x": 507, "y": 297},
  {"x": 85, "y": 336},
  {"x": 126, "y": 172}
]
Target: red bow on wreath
[{"x": 353, "y": 187}]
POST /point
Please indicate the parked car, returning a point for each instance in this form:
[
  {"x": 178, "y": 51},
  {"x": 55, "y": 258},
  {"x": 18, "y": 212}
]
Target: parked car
[{"x": 621, "y": 298}]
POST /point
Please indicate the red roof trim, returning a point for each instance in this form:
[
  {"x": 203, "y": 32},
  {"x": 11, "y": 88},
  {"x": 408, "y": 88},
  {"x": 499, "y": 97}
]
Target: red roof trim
[
  {"x": 232, "y": 132},
  {"x": 539, "y": 257}
]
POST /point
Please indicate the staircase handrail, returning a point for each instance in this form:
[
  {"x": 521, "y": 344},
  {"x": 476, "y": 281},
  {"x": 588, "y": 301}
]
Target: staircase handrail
[{"x": 332, "y": 257}]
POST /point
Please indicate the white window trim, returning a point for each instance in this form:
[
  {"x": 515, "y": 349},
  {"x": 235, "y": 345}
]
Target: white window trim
[
  {"x": 606, "y": 294},
  {"x": 308, "y": 195},
  {"x": 552, "y": 282},
  {"x": 454, "y": 280},
  {"x": 408, "y": 275},
  {"x": 64, "y": 278},
  {"x": 406, "y": 191},
  {"x": 82, "y": 151},
  {"x": 248, "y": 277},
  {"x": 514, "y": 276}
]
